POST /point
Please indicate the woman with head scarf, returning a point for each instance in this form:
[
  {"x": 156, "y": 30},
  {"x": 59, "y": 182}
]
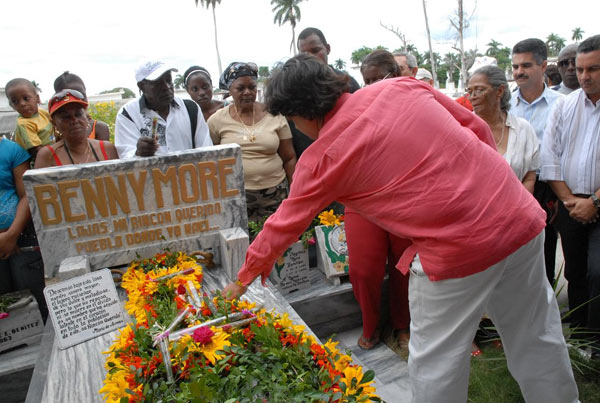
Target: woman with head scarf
[{"x": 268, "y": 155}]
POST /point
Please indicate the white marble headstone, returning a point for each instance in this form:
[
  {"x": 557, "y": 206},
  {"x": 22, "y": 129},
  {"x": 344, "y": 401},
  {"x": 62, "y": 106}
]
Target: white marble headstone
[
  {"x": 332, "y": 250},
  {"x": 290, "y": 272},
  {"x": 116, "y": 211}
]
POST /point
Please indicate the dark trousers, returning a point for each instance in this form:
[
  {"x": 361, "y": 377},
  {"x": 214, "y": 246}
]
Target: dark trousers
[
  {"x": 581, "y": 247},
  {"x": 545, "y": 196}
]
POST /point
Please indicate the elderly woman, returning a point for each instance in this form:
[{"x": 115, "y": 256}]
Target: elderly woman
[
  {"x": 419, "y": 165},
  {"x": 514, "y": 137},
  {"x": 19, "y": 269},
  {"x": 267, "y": 152},
  {"x": 198, "y": 84},
  {"x": 370, "y": 245},
  {"x": 67, "y": 110}
]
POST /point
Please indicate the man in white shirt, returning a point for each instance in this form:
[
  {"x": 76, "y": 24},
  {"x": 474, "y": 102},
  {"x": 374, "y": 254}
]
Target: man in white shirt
[
  {"x": 533, "y": 101},
  {"x": 566, "y": 69},
  {"x": 571, "y": 164},
  {"x": 157, "y": 122}
]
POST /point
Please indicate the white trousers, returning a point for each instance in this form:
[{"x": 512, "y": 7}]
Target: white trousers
[{"x": 517, "y": 297}]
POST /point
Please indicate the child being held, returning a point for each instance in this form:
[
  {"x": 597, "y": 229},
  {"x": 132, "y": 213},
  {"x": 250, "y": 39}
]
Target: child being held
[{"x": 34, "y": 129}]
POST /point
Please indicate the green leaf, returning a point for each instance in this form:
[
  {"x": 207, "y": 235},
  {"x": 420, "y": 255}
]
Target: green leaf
[{"x": 368, "y": 376}]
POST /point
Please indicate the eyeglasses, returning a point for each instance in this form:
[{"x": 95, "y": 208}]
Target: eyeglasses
[
  {"x": 567, "y": 62},
  {"x": 477, "y": 91}
]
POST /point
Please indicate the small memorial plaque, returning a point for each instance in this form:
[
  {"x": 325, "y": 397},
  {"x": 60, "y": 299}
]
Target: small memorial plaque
[
  {"x": 290, "y": 272},
  {"x": 332, "y": 250},
  {"x": 84, "y": 307}
]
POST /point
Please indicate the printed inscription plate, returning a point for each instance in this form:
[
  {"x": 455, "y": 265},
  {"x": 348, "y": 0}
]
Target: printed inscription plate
[
  {"x": 290, "y": 272},
  {"x": 84, "y": 307}
]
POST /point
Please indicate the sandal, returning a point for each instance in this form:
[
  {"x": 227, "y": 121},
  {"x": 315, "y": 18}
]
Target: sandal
[{"x": 367, "y": 344}]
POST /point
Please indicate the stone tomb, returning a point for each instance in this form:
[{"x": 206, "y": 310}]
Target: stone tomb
[{"x": 112, "y": 212}]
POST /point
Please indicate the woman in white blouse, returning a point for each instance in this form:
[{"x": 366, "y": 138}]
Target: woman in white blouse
[{"x": 515, "y": 138}]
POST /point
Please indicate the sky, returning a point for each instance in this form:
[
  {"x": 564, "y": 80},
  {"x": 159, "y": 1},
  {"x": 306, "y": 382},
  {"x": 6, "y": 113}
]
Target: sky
[{"x": 103, "y": 41}]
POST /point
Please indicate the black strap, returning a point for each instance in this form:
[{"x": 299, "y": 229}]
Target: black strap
[
  {"x": 126, "y": 114},
  {"x": 192, "y": 108}
]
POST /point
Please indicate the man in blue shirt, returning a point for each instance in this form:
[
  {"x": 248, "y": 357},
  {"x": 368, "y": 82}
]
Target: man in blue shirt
[{"x": 533, "y": 101}]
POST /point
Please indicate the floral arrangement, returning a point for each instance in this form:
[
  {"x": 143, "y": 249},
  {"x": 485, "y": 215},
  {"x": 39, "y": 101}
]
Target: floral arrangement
[
  {"x": 186, "y": 345},
  {"x": 6, "y": 300},
  {"x": 333, "y": 231}
]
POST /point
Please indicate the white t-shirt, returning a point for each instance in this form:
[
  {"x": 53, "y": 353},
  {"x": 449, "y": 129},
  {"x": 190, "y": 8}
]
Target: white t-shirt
[{"x": 522, "y": 149}]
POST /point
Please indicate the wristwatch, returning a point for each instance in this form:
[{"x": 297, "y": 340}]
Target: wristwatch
[{"x": 595, "y": 200}]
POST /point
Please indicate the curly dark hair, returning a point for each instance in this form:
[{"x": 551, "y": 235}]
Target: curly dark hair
[
  {"x": 304, "y": 87},
  {"x": 381, "y": 58}
]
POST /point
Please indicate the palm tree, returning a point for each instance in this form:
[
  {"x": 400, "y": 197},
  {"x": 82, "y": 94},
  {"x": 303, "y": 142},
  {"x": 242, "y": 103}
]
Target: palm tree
[
  {"x": 431, "y": 56},
  {"x": 577, "y": 34},
  {"x": 555, "y": 43},
  {"x": 339, "y": 64},
  {"x": 213, "y": 3},
  {"x": 493, "y": 48},
  {"x": 287, "y": 11},
  {"x": 178, "y": 81}
]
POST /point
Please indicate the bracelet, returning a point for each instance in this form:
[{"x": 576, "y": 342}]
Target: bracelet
[{"x": 239, "y": 283}]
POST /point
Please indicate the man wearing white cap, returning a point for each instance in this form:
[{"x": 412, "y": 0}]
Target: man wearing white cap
[
  {"x": 425, "y": 76},
  {"x": 158, "y": 122}
]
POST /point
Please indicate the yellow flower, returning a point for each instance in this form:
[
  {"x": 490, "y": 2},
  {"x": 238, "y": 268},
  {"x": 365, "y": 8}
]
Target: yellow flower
[
  {"x": 355, "y": 372},
  {"x": 329, "y": 218},
  {"x": 339, "y": 267},
  {"x": 342, "y": 362},
  {"x": 114, "y": 386},
  {"x": 209, "y": 350}
]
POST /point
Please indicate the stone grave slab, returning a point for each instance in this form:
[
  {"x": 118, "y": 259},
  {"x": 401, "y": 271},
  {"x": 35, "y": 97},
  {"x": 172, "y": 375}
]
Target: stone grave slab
[
  {"x": 116, "y": 211},
  {"x": 23, "y": 325}
]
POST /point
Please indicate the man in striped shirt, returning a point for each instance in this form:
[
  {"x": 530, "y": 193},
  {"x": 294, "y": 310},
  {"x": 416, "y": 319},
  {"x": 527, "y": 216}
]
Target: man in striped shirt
[{"x": 571, "y": 164}]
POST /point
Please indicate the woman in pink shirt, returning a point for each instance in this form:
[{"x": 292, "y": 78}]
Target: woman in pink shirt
[{"x": 417, "y": 164}]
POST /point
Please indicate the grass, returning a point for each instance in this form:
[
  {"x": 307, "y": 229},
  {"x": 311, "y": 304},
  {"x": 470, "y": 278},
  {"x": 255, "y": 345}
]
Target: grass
[{"x": 490, "y": 381}]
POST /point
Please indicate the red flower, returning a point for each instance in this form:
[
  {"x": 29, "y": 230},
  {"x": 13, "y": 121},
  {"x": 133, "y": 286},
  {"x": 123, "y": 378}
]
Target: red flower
[
  {"x": 203, "y": 335},
  {"x": 180, "y": 289}
]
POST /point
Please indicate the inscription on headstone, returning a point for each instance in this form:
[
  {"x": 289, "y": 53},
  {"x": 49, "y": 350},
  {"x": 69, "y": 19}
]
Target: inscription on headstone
[
  {"x": 84, "y": 307},
  {"x": 23, "y": 325},
  {"x": 290, "y": 272},
  {"x": 113, "y": 211}
]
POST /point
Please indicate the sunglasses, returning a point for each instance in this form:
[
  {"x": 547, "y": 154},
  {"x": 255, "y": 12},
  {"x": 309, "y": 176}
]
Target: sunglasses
[
  {"x": 59, "y": 96},
  {"x": 567, "y": 62}
]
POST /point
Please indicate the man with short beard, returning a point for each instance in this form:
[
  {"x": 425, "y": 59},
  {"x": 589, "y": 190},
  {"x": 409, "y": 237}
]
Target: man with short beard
[
  {"x": 533, "y": 101},
  {"x": 566, "y": 68}
]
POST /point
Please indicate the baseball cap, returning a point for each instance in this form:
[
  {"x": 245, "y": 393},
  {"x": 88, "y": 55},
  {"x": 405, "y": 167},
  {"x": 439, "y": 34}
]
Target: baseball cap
[
  {"x": 65, "y": 97},
  {"x": 423, "y": 73},
  {"x": 151, "y": 70}
]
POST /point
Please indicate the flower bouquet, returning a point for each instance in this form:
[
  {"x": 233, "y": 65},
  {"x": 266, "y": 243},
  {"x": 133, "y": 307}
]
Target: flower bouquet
[{"x": 191, "y": 346}]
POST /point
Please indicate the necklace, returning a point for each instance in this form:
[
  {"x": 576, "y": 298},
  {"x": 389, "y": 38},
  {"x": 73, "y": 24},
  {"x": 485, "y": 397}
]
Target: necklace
[
  {"x": 87, "y": 153},
  {"x": 249, "y": 133},
  {"x": 501, "y": 137}
]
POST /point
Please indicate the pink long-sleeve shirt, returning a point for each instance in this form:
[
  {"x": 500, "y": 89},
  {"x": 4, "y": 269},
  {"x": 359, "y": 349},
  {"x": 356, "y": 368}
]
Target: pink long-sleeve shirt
[{"x": 417, "y": 164}]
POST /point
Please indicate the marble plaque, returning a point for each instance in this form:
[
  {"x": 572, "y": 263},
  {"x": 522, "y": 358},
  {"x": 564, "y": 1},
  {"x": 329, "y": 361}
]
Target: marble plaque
[
  {"x": 116, "y": 211},
  {"x": 290, "y": 272},
  {"x": 23, "y": 325},
  {"x": 84, "y": 307},
  {"x": 332, "y": 250}
]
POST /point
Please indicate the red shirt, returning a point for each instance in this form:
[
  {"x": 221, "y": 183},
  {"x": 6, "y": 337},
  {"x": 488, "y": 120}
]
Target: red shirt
[{"x": 417, "y": 164}]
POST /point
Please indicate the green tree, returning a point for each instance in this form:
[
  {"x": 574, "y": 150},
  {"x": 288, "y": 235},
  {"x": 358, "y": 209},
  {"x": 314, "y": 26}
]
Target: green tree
[
  {"x": 178, "y": 82},
  {"x": 555, "y": 43},
  {"x": 339, "y": 64},
  {"x": 287, "y": 11},
  {"x": 359, "y": 54},
  {"x": 577, "y": 34},
  {"x": 127, "y": 93},
  {"x": 36, "y": 86},
  {"x": 493, "y": 48},
  {"x": 207, "y": 4},
  {"x": 263, "y": 71}
]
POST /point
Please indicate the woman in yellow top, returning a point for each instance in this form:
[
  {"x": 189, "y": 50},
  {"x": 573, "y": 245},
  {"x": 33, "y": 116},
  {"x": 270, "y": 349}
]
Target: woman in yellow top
[{"x": 268, "y": 154}]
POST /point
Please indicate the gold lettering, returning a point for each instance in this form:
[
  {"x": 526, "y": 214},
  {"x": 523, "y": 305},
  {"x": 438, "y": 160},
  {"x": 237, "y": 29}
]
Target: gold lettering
[
  {"x": 208, "y": 172},
  {"x": 183, "y": 169},
  {"x": 95, "y": 197},
  {"x": 138, "y": 187},
  {"x": 225, "y": 168},
  {"x": 117, "y": 195},
  {"x": 120, "y": 225},
  {"x": 45, "y": 202},
  {"x": 159, "y": 177},
  {"x": 65, "y": 196}
]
